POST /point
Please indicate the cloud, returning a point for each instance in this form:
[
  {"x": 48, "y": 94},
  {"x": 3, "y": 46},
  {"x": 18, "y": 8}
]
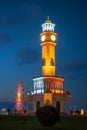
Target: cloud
[
  {"x": 23, "y": 12},
  {"x": 30, "y": 8},
  {"x": 75, "y": 65},
  {"x": 5, "y": 38},
  {"x": 78, "y": 76},
  {"x": 75, "y": 69},
  {"x": 27, "y": 55}
]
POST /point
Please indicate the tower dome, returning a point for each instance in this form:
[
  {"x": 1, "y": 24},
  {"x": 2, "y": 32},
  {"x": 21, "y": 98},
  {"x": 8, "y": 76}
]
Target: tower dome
[{"x": 48, "y": 26}]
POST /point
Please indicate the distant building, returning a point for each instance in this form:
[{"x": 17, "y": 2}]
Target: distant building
[{"x": 48, "y": 89}]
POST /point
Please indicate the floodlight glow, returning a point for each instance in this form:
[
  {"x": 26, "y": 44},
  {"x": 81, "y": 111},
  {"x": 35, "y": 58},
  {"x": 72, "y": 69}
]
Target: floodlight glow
[{"x": 19, "y": 97}]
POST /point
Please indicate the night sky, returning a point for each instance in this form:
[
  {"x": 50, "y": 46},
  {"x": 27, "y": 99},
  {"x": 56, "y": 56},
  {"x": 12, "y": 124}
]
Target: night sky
[{"x": 20, "y": 50}]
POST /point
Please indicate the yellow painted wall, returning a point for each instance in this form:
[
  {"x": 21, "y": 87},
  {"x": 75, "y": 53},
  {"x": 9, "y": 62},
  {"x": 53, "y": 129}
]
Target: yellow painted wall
[
  {"x": 48, "y": 52},
  {"x": 47, "y": 96}
]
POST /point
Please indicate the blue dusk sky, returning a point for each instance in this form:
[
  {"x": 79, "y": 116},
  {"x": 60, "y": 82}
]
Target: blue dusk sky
[{"x": 20, "y": 50}]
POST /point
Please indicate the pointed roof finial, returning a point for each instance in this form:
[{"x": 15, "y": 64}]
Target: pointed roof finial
[{"x": 48, "y": 20}]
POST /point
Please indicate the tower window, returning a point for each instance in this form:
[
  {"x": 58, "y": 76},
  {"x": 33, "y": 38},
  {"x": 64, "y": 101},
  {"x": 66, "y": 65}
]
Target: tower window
[
  {"x": 52, "y": 62},
  {"x": 43, "y": 61}
]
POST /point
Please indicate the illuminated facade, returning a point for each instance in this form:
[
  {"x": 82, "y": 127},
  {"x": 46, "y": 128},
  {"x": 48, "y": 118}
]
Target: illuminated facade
[
  {"x": 19, "y": 104},
  {"x": 48, "y": 89}
]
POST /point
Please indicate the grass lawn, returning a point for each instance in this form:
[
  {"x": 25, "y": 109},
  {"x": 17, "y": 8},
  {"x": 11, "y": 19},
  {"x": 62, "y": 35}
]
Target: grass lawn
[{"x": 31, "y": 123}]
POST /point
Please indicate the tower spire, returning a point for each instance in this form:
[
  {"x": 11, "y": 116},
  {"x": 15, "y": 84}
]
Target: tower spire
[
  {"x": 48, "y": 20},
  {"x": 47, "y": 17}
]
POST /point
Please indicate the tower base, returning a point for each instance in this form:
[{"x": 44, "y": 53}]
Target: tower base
[{"x": 48, "y": 91}]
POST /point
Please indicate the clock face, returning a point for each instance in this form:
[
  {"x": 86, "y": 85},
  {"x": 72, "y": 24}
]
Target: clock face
[
  {"x": 43, "y": 37},
  {"x": 53, "y": 38}
]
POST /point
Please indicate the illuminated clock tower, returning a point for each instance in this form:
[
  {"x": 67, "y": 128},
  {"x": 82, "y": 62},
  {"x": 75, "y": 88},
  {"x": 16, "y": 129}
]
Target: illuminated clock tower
[
  {"x": 48, "y": 89},
  {"x": 48, "y": 43}
]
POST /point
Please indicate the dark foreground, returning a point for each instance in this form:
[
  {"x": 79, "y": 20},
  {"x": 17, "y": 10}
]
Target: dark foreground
[{"x": 31, "y": 123}]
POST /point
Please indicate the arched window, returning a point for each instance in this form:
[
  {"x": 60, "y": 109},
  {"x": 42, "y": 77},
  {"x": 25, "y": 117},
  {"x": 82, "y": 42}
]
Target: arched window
[
  {"x": 38, "y": 105},
  {"x": 58, "y": 106},
  {"x": 52, "y": 61},
  {"x": 43, "y": 61}
]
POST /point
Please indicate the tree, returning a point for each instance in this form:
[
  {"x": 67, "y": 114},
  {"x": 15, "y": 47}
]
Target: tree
[{"x": 48, "y": 115}]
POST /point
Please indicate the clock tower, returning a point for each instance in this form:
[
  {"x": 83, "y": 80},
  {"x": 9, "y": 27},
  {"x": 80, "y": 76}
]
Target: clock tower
[
  {"x": 48, "y": 89},
  {"x": 48, "y": 43}
]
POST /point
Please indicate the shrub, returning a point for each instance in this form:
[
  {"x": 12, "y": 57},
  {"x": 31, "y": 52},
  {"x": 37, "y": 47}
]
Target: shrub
[{"x": 48, "y": 115}]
